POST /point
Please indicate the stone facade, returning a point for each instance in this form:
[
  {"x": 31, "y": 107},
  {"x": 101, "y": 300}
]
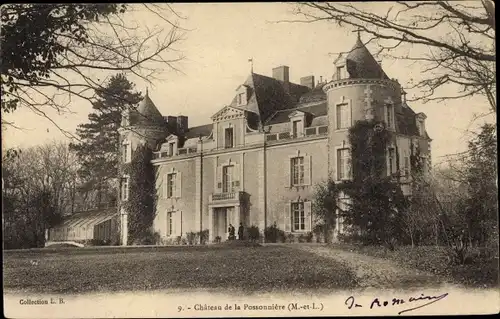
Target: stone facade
[{"x": 259, "y": 160}]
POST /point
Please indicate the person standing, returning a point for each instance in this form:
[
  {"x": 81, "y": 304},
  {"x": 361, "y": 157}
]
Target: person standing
[
  {"x": 231, "y": 232},
  {"x": 240, "y": 232}
]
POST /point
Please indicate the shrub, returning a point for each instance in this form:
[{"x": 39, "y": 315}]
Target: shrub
[
  {"x": 203, "y": 235},
  {"x": 218, "y": 239},
  {"x": 302, "y": 238},
  {"x": 184, "y": 241},
  {"x": 281, "y": 236},
  {"x": 309, "y": 237},
  {"x": 290, "y": 238},
  {"x": 178, "y": 240},
  {"x": 318, "y": 231},
  {"x": 273, "y": 234},
  {"x": 191, "y": 238},
  {"x": 253, "y": 233}
]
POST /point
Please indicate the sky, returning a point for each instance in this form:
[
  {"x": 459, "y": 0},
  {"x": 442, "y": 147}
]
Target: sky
[{"x": 221, "y": 39}]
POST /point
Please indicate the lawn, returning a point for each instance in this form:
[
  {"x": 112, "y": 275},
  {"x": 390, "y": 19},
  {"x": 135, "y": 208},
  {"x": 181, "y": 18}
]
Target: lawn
[
  {"x": 480, "y": 271},
  {"x": 251, "y": 269}
]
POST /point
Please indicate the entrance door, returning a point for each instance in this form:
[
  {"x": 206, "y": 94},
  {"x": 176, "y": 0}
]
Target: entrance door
[{"x": 220, "y": 223}]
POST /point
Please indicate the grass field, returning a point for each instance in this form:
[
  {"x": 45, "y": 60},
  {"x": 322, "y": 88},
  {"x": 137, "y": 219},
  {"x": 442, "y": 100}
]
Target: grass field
[
  {"x": 481, "y": 271},
  {"x": 251, "y": 269}
]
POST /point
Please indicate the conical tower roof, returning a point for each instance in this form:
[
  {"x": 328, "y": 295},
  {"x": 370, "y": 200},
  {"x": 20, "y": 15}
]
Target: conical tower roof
[
  {"x": 147, "y": 114},
  {"x": 361, "y": 63}
]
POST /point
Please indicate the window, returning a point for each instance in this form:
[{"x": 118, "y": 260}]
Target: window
[
  {"x": 228, "y": 137},
  {"x": 241, "y": 98},
  {"x": 299, "y": 217},
  {"x": 171, "y": 185},
  {"x": 227, "y": 178},
  {"x": 392, "y": 161},
  {"x": 171, "y": 149},
  {"x": 295, "y": 128},
  {"x": 343, "y": 116},
  {"x": 170, "y": 223},
  {"x": 297, "y": 171},
  {"x": 126, "y": 152},
  {"x": 341, "y": 72},
  {"x": 420, "y": 126},
  {"x": 124, "y": 188},
  {"x": 406, "y": 169},
  {"x": 389, "y": 117},
  {"x": 343, "y": 164}
]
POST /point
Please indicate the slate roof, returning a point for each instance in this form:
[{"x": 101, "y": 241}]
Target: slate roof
[
  {"x": 316, "y": 94},
  {"x": 311, "y": 110},
  {"x": 268, "y": 95},
  {"x": 146, "y": 114},
  {"x": 197, "y": 131},
  {"x": 361, "y": 64}
]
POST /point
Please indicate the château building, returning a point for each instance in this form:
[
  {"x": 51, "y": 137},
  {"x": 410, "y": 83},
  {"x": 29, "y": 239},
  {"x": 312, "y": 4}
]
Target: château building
[{"x": 259, "y": 158}]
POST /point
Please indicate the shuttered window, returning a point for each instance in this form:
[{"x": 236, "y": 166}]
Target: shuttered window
[
  {"x": 170, "y": 223},
  {"x": 171, "y": 177},
  {"x": 125, "y": 189},
  {"x": 298, "y": 215},
  {"x": 343, "y": 116},
  {"x": 343, "y": 164},
  {"x": 297, "y": 171},
  {"x": 406, "y": 169}
]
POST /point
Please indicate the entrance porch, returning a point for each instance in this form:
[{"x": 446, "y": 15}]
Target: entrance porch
[{"x": 219, "y": 220}]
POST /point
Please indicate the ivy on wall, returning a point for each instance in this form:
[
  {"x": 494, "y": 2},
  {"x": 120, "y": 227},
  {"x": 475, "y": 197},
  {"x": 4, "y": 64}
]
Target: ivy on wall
[
  {"x": 141, "y": 203},
  {"x": 376, "y": 201}
]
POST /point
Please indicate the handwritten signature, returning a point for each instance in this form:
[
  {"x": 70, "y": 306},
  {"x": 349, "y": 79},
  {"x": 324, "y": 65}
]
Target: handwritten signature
[{"x": 376, "y": 302}]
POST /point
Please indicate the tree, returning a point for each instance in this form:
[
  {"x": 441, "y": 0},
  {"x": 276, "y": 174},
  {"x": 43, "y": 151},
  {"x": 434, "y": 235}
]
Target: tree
[
  {"x": 37, "y": 192},
  {"x": 454, "y": 42},
  {"x": 97, "y": 149},
  {"x": 141, "y": 203},
  {"x": 54, "y": 52},
  {"x": 325, "y": 206},
  {"x": 481, "y": 178}
]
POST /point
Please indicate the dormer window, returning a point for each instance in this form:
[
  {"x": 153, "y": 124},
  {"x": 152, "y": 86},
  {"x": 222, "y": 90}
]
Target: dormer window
[
  {"x": 341, "y": 72},
  {"x": 297, "y": 123},
  {"x": 229, "y": 137},
  {"x": 295, "y": 128},
  {"x": 421, "y": 123},
  {"x": 240, "y": 98},
  {"x": 171, "y": 148},
  {"x": 241, "y": 95}
]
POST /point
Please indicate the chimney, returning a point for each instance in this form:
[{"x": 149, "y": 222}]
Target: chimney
[
  {"x": 282, "y": 73},
  {"x": 182, "y": 123},
  {"x": 172, "y": 122},
  {"x": 307, "y": 81}
]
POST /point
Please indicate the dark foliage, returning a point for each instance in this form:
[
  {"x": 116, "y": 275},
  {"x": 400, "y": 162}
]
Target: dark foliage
[
  {"x": 273, "y": 234},
  {"x": 47, "y": 31},
  {"x": 376, "y": 201},
  {"x": 98, "y": 148},
  {"x": 253, "y": 233},
  {"x": 142, "y": 195}
]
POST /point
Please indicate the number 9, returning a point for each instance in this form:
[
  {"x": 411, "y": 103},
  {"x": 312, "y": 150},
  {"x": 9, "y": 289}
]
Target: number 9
[{"x": 179, "y": 308}]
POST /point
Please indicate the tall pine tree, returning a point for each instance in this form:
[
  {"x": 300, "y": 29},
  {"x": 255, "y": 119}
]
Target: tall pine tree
[{"x": 98, "y": 147}]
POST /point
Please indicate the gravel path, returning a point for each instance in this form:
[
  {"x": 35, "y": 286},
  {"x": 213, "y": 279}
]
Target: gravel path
[{"x": 375, "y": 272}]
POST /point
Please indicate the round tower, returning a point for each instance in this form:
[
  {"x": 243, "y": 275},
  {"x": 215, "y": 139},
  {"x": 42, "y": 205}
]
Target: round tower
[
  {"x": 141, "y": 125},
  {"x": 359, "y": 90}
]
